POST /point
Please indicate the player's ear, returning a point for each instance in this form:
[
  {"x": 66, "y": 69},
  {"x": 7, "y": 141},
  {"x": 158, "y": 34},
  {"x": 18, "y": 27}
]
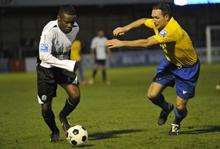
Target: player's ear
[
  {"x": 167, "y": 17},
  {"x": 58, "y": 17}
]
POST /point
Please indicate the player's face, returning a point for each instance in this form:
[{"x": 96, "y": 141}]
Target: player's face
[
  {"x": 160, "y": 20},
  {"x": 100, "y": 34},
  {"x": 66, "y": 22}
]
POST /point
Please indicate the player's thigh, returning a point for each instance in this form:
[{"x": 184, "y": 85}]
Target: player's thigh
[
  {"x": 46, "y": 86},
  {"x": 69, "y": 81},
  {"x": 185, "y": 89},
  {"x": 70, "y": 84},
  {"x": 103, "y": 64},
  {"x": 160, "y": 82},
  {"x": 46, "y": 92},
  {"x": 95, "y": 66}
]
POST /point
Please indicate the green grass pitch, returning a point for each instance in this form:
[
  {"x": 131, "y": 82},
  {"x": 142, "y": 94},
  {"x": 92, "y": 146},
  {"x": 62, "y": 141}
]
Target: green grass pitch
[{"x": 116, "y": 116}]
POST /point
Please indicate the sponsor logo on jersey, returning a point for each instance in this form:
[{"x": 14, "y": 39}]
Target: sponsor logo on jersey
[
  {"x": 44, "y": 47},
  {"x": 163, "y": 32}
]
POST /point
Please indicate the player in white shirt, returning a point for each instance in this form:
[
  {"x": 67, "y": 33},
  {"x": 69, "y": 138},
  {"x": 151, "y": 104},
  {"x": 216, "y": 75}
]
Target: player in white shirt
[
  {"x": 55, "y": 67},
  {"x": 100, "y": 54}
]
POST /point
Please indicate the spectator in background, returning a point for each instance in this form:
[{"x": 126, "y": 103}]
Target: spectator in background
[
  {"x": 100, "y": 53},
  {"x": 76, "y": 54}
]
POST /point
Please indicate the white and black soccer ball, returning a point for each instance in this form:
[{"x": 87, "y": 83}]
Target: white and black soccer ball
[{"x": 77, "y": 135}]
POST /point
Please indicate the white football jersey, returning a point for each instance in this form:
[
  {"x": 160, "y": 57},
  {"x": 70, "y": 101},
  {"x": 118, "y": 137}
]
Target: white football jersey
[
  {"x": 98, "y": 44},
  {"x": 55, "y": 46}
]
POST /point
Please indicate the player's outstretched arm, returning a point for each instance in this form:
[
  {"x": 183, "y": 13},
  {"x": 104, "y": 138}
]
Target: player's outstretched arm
[
  {"x": 122, "y": 30},
  {"x": 68, "y": 65},
  {"x": 115, "y": 43}
]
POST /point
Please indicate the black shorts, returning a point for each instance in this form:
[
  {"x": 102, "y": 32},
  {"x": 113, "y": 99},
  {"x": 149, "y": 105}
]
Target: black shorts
[
  {"x": 47, "y": 80},
  {"x": 100, "y": 62}
]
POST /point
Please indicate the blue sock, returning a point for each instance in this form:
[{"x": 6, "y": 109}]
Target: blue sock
[
  {"x": 179, "y": 115},
  {"x": 160, "y": 101}
]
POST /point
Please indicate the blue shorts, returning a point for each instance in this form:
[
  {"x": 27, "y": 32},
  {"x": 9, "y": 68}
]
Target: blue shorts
[{"x": 184, "y": 78}]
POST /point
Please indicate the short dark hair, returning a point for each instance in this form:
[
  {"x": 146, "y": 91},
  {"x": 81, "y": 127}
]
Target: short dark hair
[
  {"x": 164, "y": 7},
  {"x": 67, "y": 9}
]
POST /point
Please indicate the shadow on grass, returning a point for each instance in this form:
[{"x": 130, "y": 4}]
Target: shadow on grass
[
  {"x": 111, "y": 134},
  {"x": 77, "y": 146},
  {"x": 83, "y": 146},
  {"x": 204, "y": 129},
  {"x": 87, "y": 145}
]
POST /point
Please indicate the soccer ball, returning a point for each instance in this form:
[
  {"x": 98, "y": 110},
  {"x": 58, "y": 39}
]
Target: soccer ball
[{"x": 77, "y": 135}]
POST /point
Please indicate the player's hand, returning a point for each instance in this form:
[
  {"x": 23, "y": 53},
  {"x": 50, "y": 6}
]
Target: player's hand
[
  {"x": 114, "y": 43},
  {"x": 119, "y": 31}
]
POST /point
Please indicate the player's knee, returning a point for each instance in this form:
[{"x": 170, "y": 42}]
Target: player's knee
[
  {"x": 45, "y": 108},
  {"x": 74, "y": 98},
  {"x": 151, "y": 95},
  {"x": 73, "y": 91},
  {"x": 74, "y": 95},
  {"x": 181, "y": 106}
]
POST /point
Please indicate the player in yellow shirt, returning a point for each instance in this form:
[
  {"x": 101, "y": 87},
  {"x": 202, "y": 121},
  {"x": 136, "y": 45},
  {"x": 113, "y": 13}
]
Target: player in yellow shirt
[
  {"x": 76, "y": 54},
  {"x": 76, "y": 50},
  {"x": 179, "y": 65}
]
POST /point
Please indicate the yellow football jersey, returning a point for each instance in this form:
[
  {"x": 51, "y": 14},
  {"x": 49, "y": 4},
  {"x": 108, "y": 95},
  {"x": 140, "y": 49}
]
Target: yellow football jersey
[
  {"x": 75, "y": 50},
  {"x": 175, "y": 42}
]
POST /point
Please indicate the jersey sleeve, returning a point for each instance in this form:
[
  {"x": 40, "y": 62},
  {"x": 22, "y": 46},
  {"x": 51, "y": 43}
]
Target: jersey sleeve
[
  {"x": 149, "y": 23},
  {"x": 45, "y": 48}
]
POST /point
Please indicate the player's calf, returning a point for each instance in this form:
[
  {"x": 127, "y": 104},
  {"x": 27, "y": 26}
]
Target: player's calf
[
  {"x": 69, "y": 106},
  {"x": 49, "y": 119},
  {"x": 55, "y": 136},
  {"x": 164, "y": 115},
  {"x": 158, "y": 99},
  {"x": 180, "y": 114},
  {"x": 65, "y": 124}
]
